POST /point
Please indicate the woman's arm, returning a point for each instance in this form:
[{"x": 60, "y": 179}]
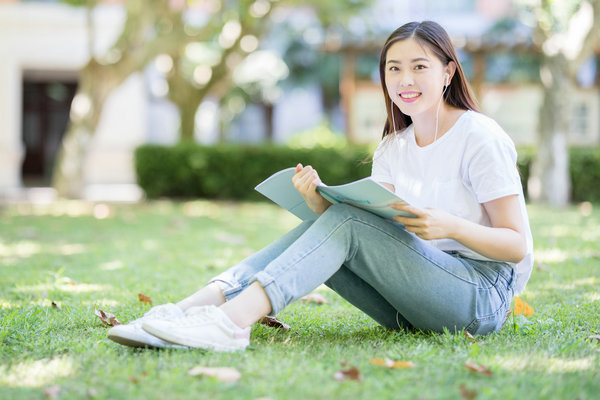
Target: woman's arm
[{"x": 504, "y": 241}]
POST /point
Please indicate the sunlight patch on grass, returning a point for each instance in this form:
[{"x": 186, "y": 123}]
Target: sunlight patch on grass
[
  {"x": 196, "y": 209},
  {"x": 112, "y": 265},
  {"x": 7, "y": 304},
  {"x": 22, "y": 249},
  {"x": 70, "y": 249},
  {"x": 70, "y": 208},
  {"x": 591, "y": 235},
  {"x": 36, "y": 373},
  {"x": 594, "y": 296},
  {"x": 150, "y": 244},
  {"x": 554, "y": 365},
  {"x": 559, "y": 231},
  {"x": 101, "y": 303},
  {"x": 569, "y": 286},
  {"x": 551, "y": 255},
  {"x": 75, "y": 288}
]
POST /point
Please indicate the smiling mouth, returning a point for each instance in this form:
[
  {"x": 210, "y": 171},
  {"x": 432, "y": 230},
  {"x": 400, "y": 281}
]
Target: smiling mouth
[{"x": 409, "y": 97}]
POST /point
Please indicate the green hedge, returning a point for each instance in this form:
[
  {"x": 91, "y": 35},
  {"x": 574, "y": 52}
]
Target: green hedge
[
  {"x": 585, "y": 174},
  {"x": 230, "y": 171}
]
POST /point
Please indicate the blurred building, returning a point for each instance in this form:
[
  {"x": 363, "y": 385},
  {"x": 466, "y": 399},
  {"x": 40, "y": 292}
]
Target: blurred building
[{"x": 43, "y": 44}]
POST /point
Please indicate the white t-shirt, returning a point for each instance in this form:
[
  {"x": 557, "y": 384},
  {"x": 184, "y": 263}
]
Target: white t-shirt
[{"x": 472, "y": 163}]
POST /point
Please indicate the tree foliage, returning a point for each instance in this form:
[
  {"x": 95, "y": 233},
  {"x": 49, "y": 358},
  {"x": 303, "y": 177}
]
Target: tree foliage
[
  {"x": 229, "y": 30},
  {"x": 567, "y": 32}
]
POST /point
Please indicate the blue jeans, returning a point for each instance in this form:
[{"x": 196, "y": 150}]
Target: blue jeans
[{"x": 396, "y": 278}]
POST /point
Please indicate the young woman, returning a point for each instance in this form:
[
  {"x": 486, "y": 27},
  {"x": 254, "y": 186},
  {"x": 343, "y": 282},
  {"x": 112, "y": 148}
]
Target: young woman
[{"x": 456, "y": 264}]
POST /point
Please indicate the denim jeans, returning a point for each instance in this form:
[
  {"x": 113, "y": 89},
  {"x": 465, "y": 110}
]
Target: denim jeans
[{"x": 396, "y": 278}]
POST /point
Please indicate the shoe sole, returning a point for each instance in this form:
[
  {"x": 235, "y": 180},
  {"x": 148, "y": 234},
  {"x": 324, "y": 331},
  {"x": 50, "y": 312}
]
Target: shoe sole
[
  {"x": 168, "y": 337},
  {"x": 126, "y": 341}
]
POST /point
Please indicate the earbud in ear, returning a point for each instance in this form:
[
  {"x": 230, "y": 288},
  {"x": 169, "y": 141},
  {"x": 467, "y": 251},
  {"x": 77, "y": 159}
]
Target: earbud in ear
[{"x": 447, "y": 79}]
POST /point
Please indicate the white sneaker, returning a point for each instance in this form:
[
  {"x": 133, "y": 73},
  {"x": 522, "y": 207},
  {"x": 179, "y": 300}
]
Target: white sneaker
[
  {"x": 133, "y": 335},
  {"x": 205, "y": 327}
]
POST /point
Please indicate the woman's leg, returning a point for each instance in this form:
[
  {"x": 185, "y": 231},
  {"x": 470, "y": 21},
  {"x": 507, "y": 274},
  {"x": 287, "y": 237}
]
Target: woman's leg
[
  {"x": 231, "y": 282},
  {"x": 428, "y": 287},
  {"x": 431, "y": 289}
]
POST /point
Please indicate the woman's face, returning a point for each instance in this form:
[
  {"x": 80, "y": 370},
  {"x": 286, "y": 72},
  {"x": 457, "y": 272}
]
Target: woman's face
[{"x": 414, "y": 77}]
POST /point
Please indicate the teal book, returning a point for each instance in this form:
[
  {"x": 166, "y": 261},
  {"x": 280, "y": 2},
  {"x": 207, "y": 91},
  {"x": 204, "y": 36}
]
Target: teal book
[{"x": 364, "y": 193}]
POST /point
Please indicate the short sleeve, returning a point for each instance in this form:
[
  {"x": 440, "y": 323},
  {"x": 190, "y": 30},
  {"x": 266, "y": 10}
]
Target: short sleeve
[
  {"x": 381, "y": 170},
  {"x": 492, "y": 170}
]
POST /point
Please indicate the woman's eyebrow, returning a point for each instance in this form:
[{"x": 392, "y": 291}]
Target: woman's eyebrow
[{"x": 414, "y": 60}]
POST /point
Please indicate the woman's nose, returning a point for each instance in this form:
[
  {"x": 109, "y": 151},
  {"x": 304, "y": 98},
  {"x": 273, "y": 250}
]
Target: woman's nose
[{"x": 405, "y": 78}]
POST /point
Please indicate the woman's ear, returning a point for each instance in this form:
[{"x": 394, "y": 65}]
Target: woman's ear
[{"x": 451, "y": 69}]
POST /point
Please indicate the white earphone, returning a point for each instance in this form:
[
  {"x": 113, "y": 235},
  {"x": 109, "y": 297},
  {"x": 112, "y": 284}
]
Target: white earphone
[{"x": 447, "y": 79}]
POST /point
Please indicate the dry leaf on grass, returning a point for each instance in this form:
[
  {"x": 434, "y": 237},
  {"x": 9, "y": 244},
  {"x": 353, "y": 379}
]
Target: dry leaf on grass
[
  {"x": 480, "y": 369},
  {"x": 314, "y": 298},
  {"x": 542, "y": 267},
  {"x": 55, "y": 305},
  {"x": 144, "y": 299},
  {"x": 52, "y": 392},
  {"x": 352, "y": 373},
  {"x": 466, "y": 393},
  {"x": 65, "y": 280},
  {"x": 274, "y": 323},
  {"x": 222, "y": 374},
  {"x": 522, "y": 308},
  {"x": 470, "y": 337},
  {"x": 107, "y": 318},
  {"x": 391, "y": 363}
]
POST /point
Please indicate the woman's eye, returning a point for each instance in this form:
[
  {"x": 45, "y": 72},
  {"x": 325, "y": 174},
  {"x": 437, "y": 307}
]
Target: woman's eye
[
  {"x": 393, "y": 68},
  {"x": 420, "y": 66}
]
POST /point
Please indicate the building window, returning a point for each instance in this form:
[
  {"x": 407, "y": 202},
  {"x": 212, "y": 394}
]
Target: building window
[{"x": 579, "y": 120}]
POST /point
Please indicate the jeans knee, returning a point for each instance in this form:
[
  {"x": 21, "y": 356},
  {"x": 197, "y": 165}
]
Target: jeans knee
[{"x": 340, "y": 210}]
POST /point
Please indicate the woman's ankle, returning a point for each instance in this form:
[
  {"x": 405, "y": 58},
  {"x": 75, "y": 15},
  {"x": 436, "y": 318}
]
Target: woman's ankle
[{"x": 210, "y": 295}]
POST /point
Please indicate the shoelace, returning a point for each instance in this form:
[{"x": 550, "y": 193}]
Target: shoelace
[
  {"x": 157, "y": 312},
  {"x": 195, "y": 318}
]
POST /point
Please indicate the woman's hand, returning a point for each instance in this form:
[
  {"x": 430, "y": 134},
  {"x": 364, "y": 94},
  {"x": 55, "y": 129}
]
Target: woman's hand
[
  {"x": 428, "y": 223},
  {"x": 505, "y": 240},
  {"x": 305, "y": 181}
]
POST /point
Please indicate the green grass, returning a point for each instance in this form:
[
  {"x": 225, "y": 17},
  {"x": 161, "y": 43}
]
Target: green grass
[{"x": 61, "y": 253}]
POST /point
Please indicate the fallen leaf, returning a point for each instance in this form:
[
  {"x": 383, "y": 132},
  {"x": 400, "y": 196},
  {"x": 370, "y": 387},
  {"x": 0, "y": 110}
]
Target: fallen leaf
[
  {"x": 107, "y": 318},
  {"x": 234, "y": 240},
  {"x": 522, "y": 308},
  {"x": 314, "y": 298},
  {"x": 55, "y": 305},
  {"x": 274, "y": 323},
  {"x": 66, "y": 281},
  {"x": 480, "y": 369},
  {"x": 352, "y": 374},
  {"x": 542, "y": 267},
  {"x": 52, "y": 392},
  {"x": 467, "y": 393},
  {"x": 133, "y": 379},
  {"x": 144, "y": 299},
  {"x": 391, "y": 363},
  {"x": 222, "y": 374},
  {"x": 593, "y": 337},
  {"x": 470, "y": 337}
]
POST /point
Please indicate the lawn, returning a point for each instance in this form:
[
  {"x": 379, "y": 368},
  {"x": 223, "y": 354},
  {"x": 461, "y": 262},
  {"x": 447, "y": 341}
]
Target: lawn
[{"x": 61, "y": 261}]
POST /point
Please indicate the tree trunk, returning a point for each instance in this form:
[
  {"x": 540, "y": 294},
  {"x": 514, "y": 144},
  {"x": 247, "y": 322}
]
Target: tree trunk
[
  {"x": 86, "y": 109},
  {"x": 550, "y": 181}
]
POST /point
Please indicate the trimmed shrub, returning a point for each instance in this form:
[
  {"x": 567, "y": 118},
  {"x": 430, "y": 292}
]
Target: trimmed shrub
[
  {"x": 584, "y": 166},
  {"x": 231, "y": 171}
]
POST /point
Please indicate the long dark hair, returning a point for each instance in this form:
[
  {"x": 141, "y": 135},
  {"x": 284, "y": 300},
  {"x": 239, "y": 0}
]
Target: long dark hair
[{"x": 432, "y": 35}]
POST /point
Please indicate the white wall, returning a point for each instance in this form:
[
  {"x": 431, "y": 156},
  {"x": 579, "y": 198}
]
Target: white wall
[{"x": 46, "y": 39}]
